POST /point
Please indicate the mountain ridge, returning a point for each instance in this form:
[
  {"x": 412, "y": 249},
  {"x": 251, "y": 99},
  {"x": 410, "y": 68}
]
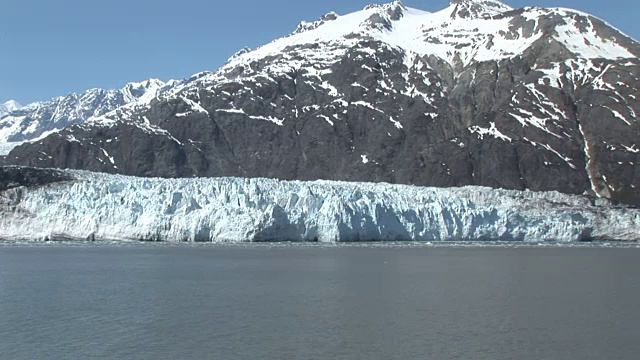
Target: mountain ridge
[{"x": 42, "y": 118}]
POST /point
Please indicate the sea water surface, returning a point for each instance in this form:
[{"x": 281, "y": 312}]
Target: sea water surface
[{"x": 315, "y": 302}]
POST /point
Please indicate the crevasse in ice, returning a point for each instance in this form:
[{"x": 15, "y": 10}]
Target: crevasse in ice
[{"x": 114, "y": 207}]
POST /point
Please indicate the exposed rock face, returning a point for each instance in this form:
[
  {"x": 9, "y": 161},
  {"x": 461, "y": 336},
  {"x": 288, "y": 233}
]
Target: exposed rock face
[
  {"x": 477, "y": 94},
  {"x": 477, "y": 8},
  {"x": 14, "y": 177}
]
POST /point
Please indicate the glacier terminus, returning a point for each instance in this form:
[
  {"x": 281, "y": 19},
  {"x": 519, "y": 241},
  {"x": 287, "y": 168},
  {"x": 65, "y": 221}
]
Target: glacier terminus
[{"x": 38, "y": 204}]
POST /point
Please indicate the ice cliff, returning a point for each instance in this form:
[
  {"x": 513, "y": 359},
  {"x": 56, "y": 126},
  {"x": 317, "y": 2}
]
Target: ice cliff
[{"x": 112, "y": 207}]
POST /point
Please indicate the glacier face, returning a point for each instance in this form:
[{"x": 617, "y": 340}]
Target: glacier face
[{"x": 114, "y": 207}]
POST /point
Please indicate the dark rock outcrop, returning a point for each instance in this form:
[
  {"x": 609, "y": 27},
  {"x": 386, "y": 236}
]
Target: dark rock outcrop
[{"x": 17, "y": 176}]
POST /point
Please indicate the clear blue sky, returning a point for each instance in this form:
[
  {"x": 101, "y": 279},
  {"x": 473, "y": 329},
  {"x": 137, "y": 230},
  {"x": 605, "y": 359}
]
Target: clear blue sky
[{"x": 54, "y": 47}]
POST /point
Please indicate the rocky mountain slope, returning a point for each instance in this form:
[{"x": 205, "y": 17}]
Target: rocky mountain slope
[
  {"x": 37, "y": 120},
  {"x": 475, "y": 94},
  {"x": 78, "y": 205}
]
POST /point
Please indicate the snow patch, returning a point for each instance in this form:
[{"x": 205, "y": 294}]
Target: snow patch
[{"x": 492, "y": 131}]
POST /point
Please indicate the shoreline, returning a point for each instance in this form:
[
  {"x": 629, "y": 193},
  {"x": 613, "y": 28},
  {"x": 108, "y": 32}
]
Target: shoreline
[{"x": 317, "y": 245}]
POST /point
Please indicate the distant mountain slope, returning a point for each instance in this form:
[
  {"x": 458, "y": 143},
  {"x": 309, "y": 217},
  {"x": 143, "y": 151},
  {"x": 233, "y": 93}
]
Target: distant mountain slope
[
  {"x": 475, "y": 94},
  {"x": 37, "y": 120},
  {"x": 8, "y": 107}
]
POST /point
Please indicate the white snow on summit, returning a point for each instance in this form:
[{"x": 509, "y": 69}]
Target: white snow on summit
[
  {"x": 5, "y": 109},
  {"x": 114, "y": 207},
  {"x": 486, "y": 33},
  {"x": 8, "y": 107},
  {"x": 40, "y": 119},
  {"x": 464, "y": 32}
]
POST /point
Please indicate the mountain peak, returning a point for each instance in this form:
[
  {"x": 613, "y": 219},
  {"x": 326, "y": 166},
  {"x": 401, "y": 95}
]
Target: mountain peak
[
  {"x": 9, "y": 106},
  {"x": 144, "y": 85},
  {"x": 477, "y": 8},
  {"x": 305, "y": 26},
  {"x": 393, "y": 4},
  {"x": 394, "y": 9},
  {"x": 479, "y": 2},
  {"x": 384, "y": 14},
  {"x": 11, "y": 103}
]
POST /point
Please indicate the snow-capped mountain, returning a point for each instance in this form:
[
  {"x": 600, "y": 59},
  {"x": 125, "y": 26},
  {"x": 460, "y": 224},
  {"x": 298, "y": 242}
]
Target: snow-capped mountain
[
  {"x": 8, "y": 107},
  {"x": 78, "y": 205},
  {"x": 37, "y": 120},
  {"x": 478, "y": 93}
]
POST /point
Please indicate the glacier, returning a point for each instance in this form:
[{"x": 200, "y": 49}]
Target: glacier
[{"x": 92, "y": 206}]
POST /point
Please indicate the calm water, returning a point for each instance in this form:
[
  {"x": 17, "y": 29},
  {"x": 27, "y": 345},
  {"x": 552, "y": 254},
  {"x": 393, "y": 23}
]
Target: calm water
[{"x": 151, "y": 302}]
